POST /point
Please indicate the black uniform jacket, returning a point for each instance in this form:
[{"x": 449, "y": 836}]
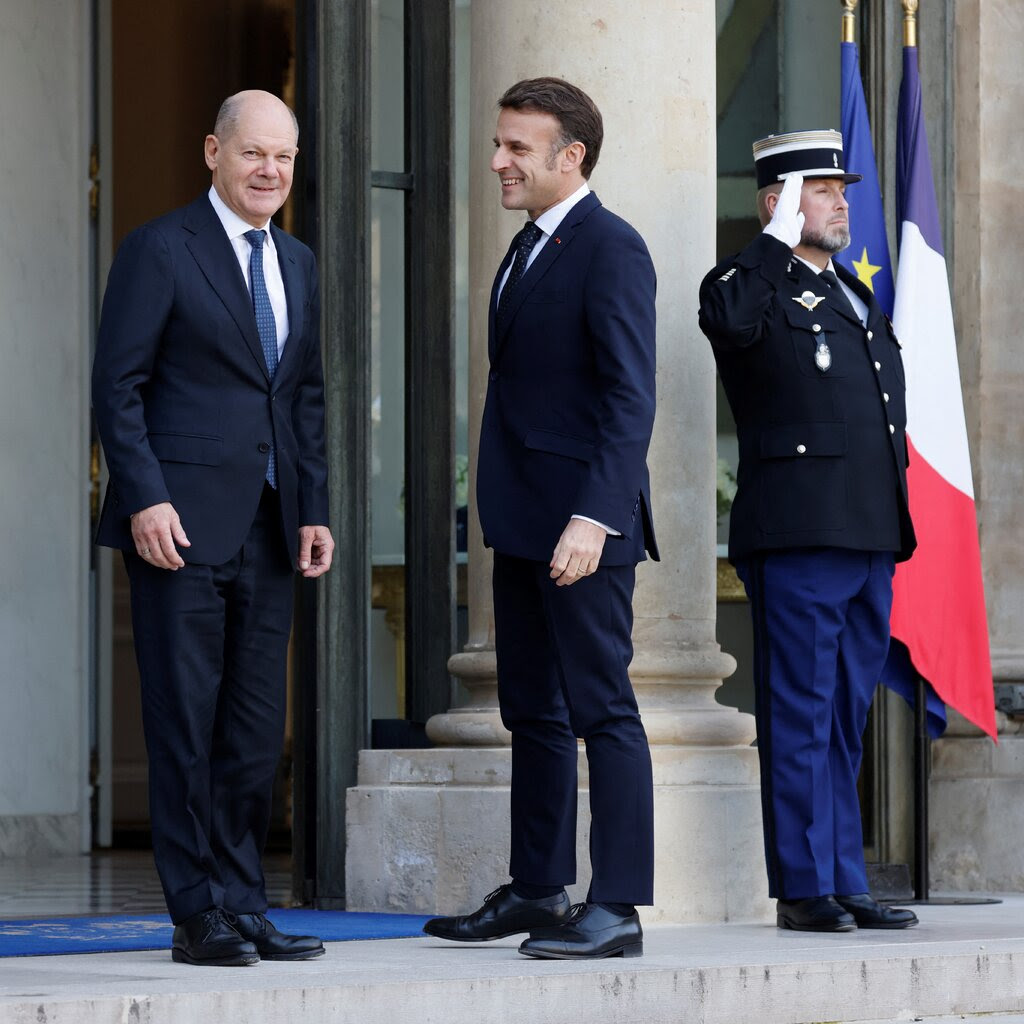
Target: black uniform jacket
[{"x": 819, "y": 404}]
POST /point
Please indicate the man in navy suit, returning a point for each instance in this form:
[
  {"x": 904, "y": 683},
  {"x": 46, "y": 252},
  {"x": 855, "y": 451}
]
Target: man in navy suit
[
  {"x": 813, "y": 374},
  {"x": 564, "y": 500},
  {"x": 208, "y": 396}
]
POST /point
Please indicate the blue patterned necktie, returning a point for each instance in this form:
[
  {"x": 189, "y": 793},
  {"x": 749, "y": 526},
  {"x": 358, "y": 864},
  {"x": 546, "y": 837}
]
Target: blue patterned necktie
[
  {"x": 265, "y": 323},
  {"x": 528, "y": 238}
]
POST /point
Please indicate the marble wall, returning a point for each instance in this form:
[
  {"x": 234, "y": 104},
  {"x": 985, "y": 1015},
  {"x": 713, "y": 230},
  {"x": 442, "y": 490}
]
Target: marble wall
[{"x": 44, "y": 345}]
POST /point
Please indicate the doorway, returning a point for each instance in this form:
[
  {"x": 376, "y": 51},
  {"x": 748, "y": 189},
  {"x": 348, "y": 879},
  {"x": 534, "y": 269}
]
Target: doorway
[{"x": 162, "y": 72}]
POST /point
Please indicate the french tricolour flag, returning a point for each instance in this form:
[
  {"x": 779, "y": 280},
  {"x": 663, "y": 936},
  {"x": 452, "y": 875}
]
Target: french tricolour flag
[{"x": 938, "y": 610}]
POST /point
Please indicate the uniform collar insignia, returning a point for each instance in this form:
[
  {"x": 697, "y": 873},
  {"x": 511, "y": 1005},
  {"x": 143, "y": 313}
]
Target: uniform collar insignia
[{"x": 809, "y": 300}]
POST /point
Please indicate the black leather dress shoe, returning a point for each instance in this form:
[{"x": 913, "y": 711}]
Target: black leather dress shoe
[
  {"x": 814, "y": 914},
  {"x": 869, "y": 913},
  {"x": 503, "y": 913},
  {"x": 274, "y": 945},
  {"x": 592, "y": 932},
  {"x": 207, "y": 939}
]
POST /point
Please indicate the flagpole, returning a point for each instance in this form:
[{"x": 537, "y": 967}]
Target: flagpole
[
  {"x": 922, "y": 882},
  {"x": 910, "y": 22},
  {"x": 849, "y": 7}
]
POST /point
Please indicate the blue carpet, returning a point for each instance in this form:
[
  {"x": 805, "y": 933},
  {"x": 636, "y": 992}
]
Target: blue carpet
[{"x": 59, "y": 936}]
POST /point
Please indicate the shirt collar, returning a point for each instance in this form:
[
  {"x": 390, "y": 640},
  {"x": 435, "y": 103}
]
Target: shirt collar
[
  {"x": 234, "y": 226},
  {"x": 815, "y": 267},
  {"x": 550, "y": 219}
]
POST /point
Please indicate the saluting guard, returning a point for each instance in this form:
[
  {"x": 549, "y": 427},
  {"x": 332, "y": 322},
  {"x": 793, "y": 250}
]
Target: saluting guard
[{"x": 813, "y": 374}]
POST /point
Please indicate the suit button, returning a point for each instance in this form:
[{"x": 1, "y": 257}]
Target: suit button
[
  {"x": 870, "y": 335},
  {"x": 892, "y": 429},
  {"x": 263, "y": 447},
  {"x": 878, "y": 366},
  {"x": 885, "y": 395},
  {"x": 493, "y": 375},
  {"x": 801, "y": 448}
]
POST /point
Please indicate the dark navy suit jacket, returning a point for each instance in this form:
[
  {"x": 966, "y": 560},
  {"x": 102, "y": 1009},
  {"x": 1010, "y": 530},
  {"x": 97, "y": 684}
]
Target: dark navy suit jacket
[
  {"x": 570, "y": 397},
  {"x": 823, "y": 450},
  {"x": 183, "y": 400}
]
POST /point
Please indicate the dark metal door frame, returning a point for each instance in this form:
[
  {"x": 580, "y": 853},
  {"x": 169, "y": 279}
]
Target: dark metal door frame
[{"x": 335, "y": 98}]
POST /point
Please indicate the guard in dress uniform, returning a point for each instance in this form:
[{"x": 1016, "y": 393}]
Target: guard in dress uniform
[{"x": 813, "y": 374}]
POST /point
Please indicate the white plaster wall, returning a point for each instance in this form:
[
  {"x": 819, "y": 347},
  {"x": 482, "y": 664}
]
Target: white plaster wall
[{"x": 44, "y": 51}]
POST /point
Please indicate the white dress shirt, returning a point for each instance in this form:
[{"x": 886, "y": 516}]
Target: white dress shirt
[
  {"x": 235, "y": 228},
  {"x": 547, "y": 222}
]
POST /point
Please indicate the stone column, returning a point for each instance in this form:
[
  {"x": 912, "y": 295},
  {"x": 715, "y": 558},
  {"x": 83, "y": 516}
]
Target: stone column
[
  {"x": 977, "y": 788},
  {"x": 651, "y": 69}
]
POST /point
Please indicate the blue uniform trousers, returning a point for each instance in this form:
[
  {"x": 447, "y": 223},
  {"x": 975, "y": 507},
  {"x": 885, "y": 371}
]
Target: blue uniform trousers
[{"x": 821, "y": 636}]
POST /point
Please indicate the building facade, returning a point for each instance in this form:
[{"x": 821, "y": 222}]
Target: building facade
[{"x": 105, "y": 104}]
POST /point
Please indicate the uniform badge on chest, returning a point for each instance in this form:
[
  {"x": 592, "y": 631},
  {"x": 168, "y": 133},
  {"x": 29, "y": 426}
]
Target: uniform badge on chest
[
  {"x": 822, "y": 356},
  {"x": 809, "y": 300}
]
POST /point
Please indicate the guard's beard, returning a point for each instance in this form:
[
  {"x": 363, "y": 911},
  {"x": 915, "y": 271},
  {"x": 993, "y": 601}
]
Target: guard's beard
[{"x": 831, "y": 240}]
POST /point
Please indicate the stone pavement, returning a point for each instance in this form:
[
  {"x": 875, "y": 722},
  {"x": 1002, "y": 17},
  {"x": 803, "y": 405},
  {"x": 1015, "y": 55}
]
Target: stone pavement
[{"x": 960, "y": 962}]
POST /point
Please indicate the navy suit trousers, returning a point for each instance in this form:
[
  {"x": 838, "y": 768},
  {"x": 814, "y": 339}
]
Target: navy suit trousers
[
  {"x": 563, "y": 655},
  {"x": 212, "y": 644},
  {"x": 821, "y": 636}
]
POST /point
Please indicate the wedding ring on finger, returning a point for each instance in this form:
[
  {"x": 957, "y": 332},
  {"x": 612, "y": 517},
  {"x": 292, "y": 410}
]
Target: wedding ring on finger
[{"x": 144, "y": 552}]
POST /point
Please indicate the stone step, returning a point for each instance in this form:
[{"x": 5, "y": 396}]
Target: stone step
[{"x": 961, "y": 960}]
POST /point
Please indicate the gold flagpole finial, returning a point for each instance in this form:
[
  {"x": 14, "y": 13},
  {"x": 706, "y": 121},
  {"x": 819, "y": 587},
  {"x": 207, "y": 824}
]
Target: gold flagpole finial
[
  {"x": 910, "y": 22},
  {"x": 849, "y": 6}
]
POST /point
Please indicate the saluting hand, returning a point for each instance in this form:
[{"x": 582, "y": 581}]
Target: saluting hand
[{"x": 787, "y": 223}]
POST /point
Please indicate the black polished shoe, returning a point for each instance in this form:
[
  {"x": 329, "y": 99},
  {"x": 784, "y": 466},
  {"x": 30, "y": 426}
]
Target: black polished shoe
[
  {"x": 208, "y": 939},
  {"x": 274, "y": 945},
  {"x": 503, "y": 913},
  {"x": 815, "y": 914},
  {"x": 869, "y": 913},
  {"x": 592, "y": 932}
]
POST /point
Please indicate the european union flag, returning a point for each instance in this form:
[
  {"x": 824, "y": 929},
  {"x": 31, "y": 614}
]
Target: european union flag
[{"x": 868, "y": 255}]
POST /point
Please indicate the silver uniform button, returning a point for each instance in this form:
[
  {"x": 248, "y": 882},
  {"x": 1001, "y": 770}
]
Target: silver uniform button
[
  {"x": 892, "y": 429},
  {"x": 878, "y": 366},
  {"x": 870, "y": 335},
  {"x": 885, "y": 395},
  {"x": 801, "y": 448},
  {"x": 816, "y": 328}
]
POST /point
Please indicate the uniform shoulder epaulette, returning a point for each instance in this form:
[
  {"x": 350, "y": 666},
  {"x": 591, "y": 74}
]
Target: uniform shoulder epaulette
[{"x": 728, "y": 274}]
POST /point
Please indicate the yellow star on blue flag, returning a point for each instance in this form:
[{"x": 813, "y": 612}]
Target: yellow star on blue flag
[{"x": 865, "y": 269}]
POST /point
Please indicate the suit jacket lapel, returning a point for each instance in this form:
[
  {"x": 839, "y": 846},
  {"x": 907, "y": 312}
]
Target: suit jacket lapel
[
  {"x": 293, "y": 291},
  {"x": 211, "y": 249},
  {"x": 863, "y": 292},
  {"x": 559, "y": 241}
]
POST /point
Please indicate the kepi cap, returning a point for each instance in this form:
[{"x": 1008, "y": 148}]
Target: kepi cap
[{"x": 816, "y": 154}]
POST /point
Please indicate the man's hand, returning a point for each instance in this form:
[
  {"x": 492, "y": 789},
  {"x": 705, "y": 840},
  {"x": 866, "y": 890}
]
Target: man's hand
[
  {"x": 316, "y": 548},
  {"x": 787, "y": 223},
  {"x": 577, "y": 552},
  {"x": 156, "y": 530}
]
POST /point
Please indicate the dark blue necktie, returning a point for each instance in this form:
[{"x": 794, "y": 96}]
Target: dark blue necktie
[
  {"x": 839, "y": 296},
  {"x": 265, "y": 323},
  {"x": 526, "y": 240}
]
